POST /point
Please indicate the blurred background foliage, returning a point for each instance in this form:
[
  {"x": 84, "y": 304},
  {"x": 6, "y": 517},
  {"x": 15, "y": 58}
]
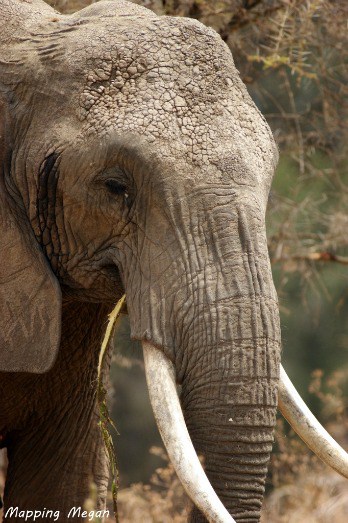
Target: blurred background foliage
[{"x": 292, "y": 55}]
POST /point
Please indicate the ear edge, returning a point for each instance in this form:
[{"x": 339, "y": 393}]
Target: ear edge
[{"x": 30, "y": 295}]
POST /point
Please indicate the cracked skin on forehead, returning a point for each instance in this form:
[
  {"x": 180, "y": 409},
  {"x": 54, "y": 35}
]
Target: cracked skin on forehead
[{"x": 171, "y": 81}]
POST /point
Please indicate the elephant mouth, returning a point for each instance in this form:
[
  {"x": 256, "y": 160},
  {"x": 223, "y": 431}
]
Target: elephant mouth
[{"x": 161, "y": 380}]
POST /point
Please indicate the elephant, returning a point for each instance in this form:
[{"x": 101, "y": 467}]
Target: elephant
[{"x": 134, "y": 161}]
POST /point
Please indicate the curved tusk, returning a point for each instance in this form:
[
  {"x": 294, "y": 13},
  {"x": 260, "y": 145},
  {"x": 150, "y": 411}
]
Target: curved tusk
[
  {"x": 308, "y": 427},
  {"x": 160, "y": 376}
]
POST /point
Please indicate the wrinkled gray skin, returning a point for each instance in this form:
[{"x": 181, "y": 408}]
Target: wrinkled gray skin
[{"x": 135, "y": 160}]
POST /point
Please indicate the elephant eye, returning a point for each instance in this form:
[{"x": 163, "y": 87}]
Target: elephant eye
[{"x": 116, "y": 187}]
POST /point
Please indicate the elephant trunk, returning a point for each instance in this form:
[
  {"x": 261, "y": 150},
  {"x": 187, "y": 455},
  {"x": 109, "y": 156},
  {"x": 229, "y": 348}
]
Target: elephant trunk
[
  {"x": 230, "y": 413},
  {"x": 230, "y": 421},
  {"x": 229, "y": 400},
  {"x": 229, "y": 388},
  {"x": 230, "y": 381},
  {"x": 214, "y": 313}
]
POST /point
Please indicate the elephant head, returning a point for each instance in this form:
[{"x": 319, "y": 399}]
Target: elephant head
[{"x": 133, "y": 160}]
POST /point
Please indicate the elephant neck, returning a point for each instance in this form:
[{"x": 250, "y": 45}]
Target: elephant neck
[
  {"x": 54, "y": 443},
  {"x": 83, "y": 328}
]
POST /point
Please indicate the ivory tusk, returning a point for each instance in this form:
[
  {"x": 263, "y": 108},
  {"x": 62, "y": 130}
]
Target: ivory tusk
[
  {"x": 308, "y": 427},
  {"x": 160, "y": 376}
]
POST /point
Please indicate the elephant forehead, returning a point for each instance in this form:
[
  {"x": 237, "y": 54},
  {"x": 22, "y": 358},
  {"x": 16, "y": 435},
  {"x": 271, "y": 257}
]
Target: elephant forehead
[
  {"x": 174, "y": 81},
  {"x": 145, "y": 61}
]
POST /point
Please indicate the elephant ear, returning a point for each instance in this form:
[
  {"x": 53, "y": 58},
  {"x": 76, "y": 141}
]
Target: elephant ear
[{"x": 30, "y": 296}]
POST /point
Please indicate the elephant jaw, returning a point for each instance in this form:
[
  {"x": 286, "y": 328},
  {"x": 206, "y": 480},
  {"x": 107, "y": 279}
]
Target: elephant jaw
[{"x": 160, "y": 376}]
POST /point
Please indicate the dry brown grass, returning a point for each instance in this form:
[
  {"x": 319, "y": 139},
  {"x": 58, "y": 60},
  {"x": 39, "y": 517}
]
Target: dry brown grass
[
  {"x": 315, "y": 497},
  {"x": 163, "y": 500}
]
